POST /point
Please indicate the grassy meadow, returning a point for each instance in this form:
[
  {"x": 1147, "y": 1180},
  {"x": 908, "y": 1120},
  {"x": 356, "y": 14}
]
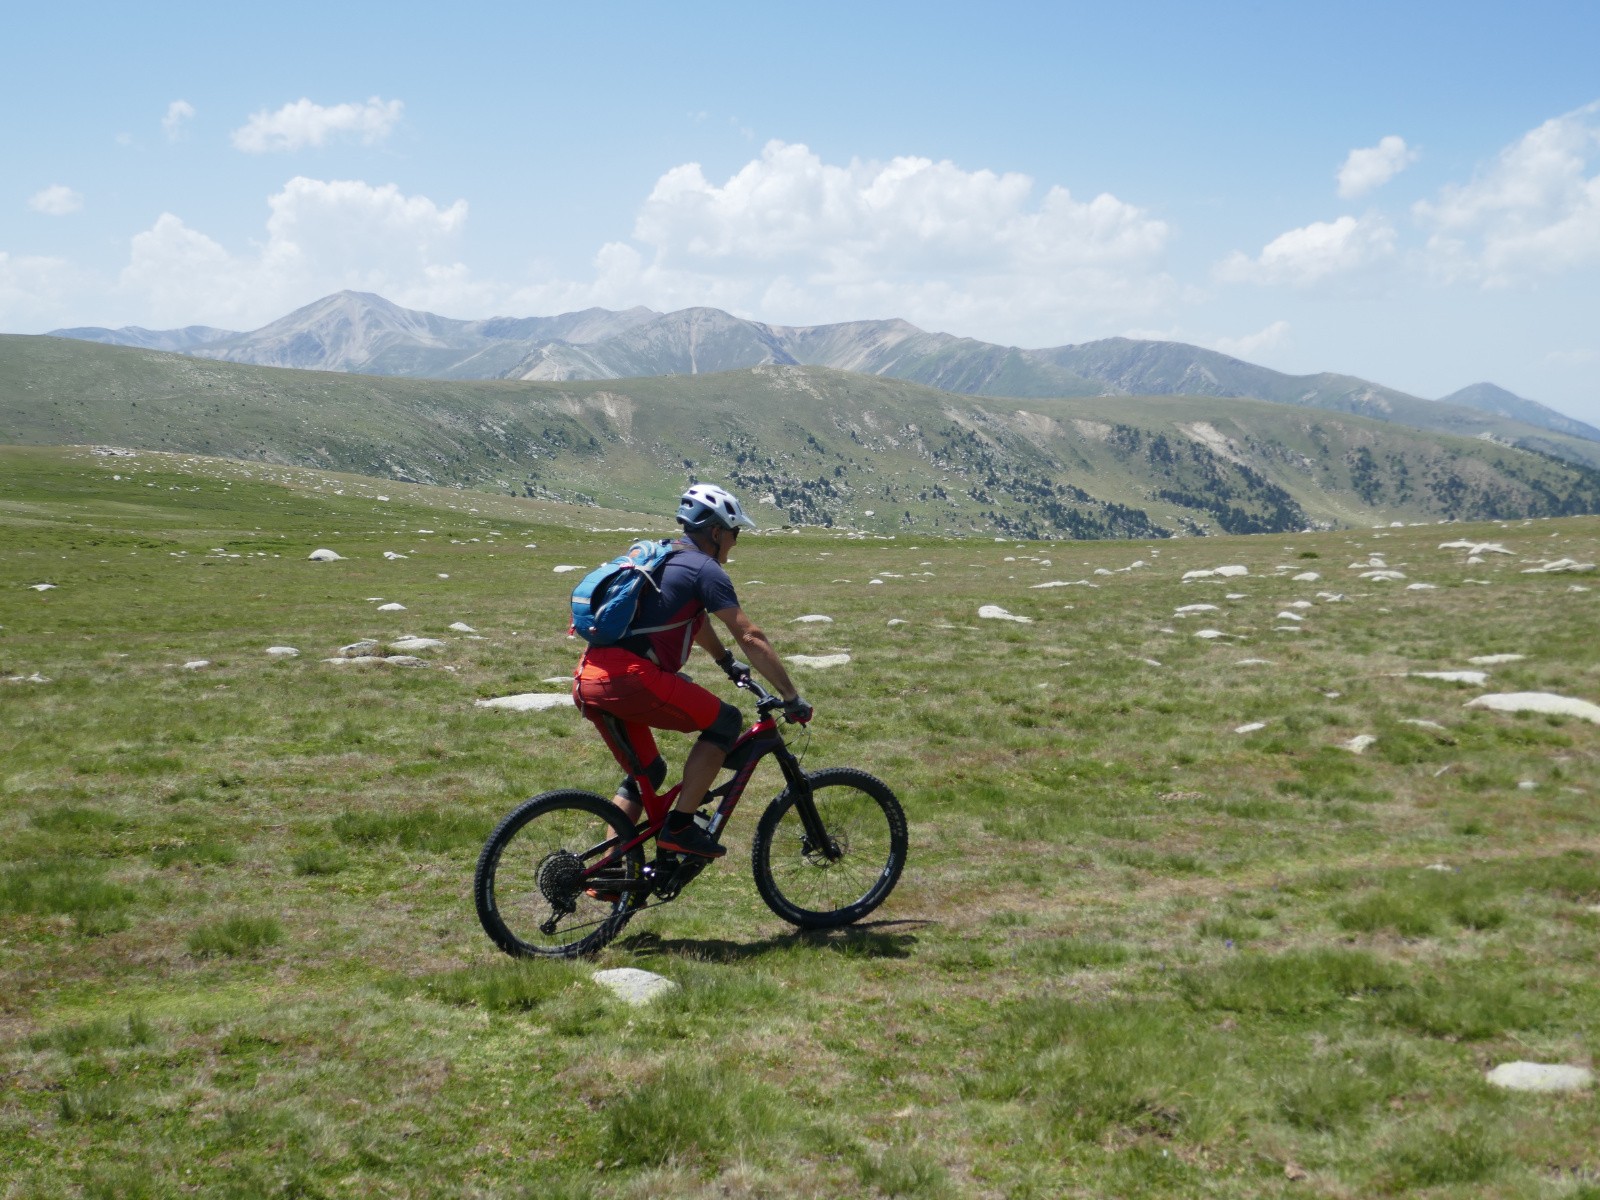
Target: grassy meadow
[{"x": 1135, "y": 953}]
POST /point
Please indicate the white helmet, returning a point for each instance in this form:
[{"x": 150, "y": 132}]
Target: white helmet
[{"x": 705, "y": 505}]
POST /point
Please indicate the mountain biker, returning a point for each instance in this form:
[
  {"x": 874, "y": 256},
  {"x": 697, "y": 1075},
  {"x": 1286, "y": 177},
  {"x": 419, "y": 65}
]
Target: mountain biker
[{"x": 635, "y": 685}]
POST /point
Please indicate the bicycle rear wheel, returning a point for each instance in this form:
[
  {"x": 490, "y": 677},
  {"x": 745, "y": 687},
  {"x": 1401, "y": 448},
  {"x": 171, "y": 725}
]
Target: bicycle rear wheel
[
  {"x": 532, "y": 898},
  {"x": 805, "y": 883}
]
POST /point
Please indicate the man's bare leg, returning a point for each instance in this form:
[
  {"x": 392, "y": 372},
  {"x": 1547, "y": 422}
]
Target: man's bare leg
[{"x": 699, "y": 770}]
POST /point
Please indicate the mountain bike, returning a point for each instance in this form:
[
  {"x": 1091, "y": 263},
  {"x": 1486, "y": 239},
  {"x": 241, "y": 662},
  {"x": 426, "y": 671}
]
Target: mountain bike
[{"x": 564, "y": 872}]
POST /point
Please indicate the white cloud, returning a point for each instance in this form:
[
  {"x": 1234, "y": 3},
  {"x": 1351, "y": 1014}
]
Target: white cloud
[
  {"x": 1373, "y": 166},
  {"x": 179, "y": 114},
  {"x": 795, "y": 239},
  {"x": 1313, "y": 253},
  {"x": 304, "y": 123},
  {"x": 35, "y": 292},
  {"x": 1534, "y": 210},
  {"x": 1250, "y": 345},
  {"x": 321, "y": 236},
  {"x": 57, "y": 200},
  {"x": 1572, "y": 358}
]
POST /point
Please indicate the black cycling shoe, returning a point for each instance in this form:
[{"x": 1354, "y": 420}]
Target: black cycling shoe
[{"x": 691, "y": 839}]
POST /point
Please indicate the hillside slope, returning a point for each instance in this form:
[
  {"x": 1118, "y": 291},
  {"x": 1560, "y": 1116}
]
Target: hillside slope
[{"x": 805, "y": 445}]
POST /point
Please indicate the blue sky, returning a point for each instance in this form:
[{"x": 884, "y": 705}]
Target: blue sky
[{"x": 1411, "y": 196}]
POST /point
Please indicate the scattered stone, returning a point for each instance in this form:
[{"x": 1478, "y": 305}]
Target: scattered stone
[
  {"x": 1251, "y": 727},
  {"x": 528, "y": 701},
  {"x": 1286, "y": 629},
  {"x": 1209, "y": 634},
  {"x": 1236, "y": 596},
  {"x": 1540, "y": 1077},
  {"x": 1255, "y": 662},
  {"x": 820, "y": 662},
  {"x": 1526, "y": 785},
  {"x": 1421, "y": 724},
  {"x": 1577, "y": 587},
  {"x": 34, "y": 678},
  {"x": 1438, "y": 867},
  {"x": 42, "y": 587},
  {"x": 633, "y": 986},
  {"x": 1489, "y": 660},
  {"x": 197, "y": 664},
  {"x": 1228, "y": 572},
  {"x": 325, "y": 556},
  {"x": 1307, "y": 577},
  {"x": 1101, "y": 571},
  {"x": 1301, "y": 604},
  {"x": 462, "y": 627},
  {"x": 812, "y": 619},
  {"x": 897, "y": 621},
  {"x": 357, "y": 649},
  {"x": 1475, "y": 547},
  {"x": 1150, "y": 662},
  {"x": 1475, "y": 678},
  {"x": 563, "y": 568},
  {"x": 993, "y": 612},
  {"x": 1539, "y": 702},
  {"x": 409, "y": 645},
  {"x": 392, "y": 606},
  {"x": 1359, "y": 743},
  {"x": 282, "y": 652},
  {"x": 1286, "y": 615},
  {"x": 1384, "y": 576},
  {"x": 1422, "y": 587},
  {"x": 402, "y": 660},
  {"x": 1558, "y": 567},
  {"x": 1195, "y": 608},
  {"x": 391, "y": 555},
  {"x": 1332, "y": 597}
]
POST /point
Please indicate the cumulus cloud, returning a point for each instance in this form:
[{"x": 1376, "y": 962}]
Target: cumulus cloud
[
  {"x": 321, "y": 236},
  {"x": 1373, "y": 166},
  {"x": 35, "y": 292},
  {"x": 1314, "y": 253},
  {"x": 1534, "y": 210},
  {"x": 179, "y": 114},
  {"x": 304, "y": 123},
  {"x": 57, "y": 200},
  {"x": 798, "y": 239},
  {"x": 1249, "y": 345}
]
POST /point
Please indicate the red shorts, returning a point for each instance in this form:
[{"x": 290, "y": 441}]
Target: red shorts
[{"x": 640, "y": 695}]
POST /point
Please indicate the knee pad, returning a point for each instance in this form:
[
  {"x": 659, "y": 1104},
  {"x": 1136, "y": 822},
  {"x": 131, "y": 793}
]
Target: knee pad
[
  {"x": 724, "y": 731},
  {"x": 656, "y": 772}
]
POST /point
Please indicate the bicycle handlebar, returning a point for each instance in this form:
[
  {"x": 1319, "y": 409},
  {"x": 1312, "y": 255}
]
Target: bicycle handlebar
[{"x": 766, "y": 702}]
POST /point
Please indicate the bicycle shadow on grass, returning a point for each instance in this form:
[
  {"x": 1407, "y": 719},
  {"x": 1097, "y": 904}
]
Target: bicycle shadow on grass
[{"x": 870, "y": 939}]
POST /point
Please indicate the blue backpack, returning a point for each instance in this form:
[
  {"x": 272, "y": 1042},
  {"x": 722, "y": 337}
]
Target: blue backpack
[{"x": 607, "y": 599}]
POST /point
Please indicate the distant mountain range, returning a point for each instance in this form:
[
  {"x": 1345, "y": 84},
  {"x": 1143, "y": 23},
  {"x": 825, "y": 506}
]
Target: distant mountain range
[{"x": 365, "y": 334}]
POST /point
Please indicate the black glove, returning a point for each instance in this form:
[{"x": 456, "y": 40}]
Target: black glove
[
  {"x": 797, "y": 711},
  {"x": 733, "y": 668}
]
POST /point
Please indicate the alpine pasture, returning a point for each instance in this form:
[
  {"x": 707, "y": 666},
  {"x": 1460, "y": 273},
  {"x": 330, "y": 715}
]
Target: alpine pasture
[{"x": 1220, "y": 886}]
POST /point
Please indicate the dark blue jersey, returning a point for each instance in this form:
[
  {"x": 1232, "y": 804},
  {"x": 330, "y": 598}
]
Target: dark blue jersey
[{"x": 692, "y": 584}]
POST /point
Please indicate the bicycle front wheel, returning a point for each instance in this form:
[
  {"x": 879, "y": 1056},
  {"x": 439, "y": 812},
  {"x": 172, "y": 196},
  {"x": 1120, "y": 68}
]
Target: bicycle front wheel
[
  {"x": 822, "y": 886},
  {"x": 533, "y": 899}
]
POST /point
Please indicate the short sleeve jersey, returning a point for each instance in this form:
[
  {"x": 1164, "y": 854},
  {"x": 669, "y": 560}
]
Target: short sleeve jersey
[{"x": 692, "y": 584}]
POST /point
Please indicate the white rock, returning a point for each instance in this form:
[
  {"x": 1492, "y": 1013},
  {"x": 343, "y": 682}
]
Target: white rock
[
  {"x": 42, "y": 587},
  {"x": 1332, "y": 597},
  {"x": 1540, "y": 1077},
  {"x": 1422, "y": 587},
  {"x": 1359, "y": 743},
  {"x": 357, "y": 649},
  {"x": 1255, "y": 662},
  {"x": 282, "y": 652},
  {"x": 1438, "y": 867},
  {"x": 1301, "y": 604},
  {"x": 1539, "y": 702},
  {"x": 392, "y": 606},
  {"x": 1196, "y": 608},
  {"x": 462, "y": 627},
  {"x": 1236, "y": 596},
  {"x": 196, "y": 664},
  {"x": 1475, "y": 547},
  {"x": 324, "y": 556},
  {"x": 1383, "y": 576},
  {"x": 1577, "y": 587},
  {"x": 820, "y": 662},
  {"x": 897, "y": 621},
  {"x": 391, "y": 555},
  {"x": 1286, "y": 629},
  {"x": 1489, "y": 660},
  {"x": 633, "y": 986},
  {"x": 1102, "y": 571},
  {"x": 1251, "y": 727},
  {"x": 1286, "y": 615},
  {"x": 1526, "y": 785},
  {"x": 563, "y": 568},
  {"x": 812, "y": 619},
  {"x": 409, "y": 645},
  {"x": 1475, "y": 678},
  {"x": 1209, "y": 634},
  {"x": 1228, "y": 572},
  {"x": 1307, "y": 577},
  {"x": 1421, "y": 724},
  {"x": 1559, "y": 566},
  {"x": 402, "y": 660},
  {"x": 528, "y": 701},
  {"x": 1150, "y": 662},
  {"x": 993, "y": 612},
  {"x": 1474, "y": 560}
]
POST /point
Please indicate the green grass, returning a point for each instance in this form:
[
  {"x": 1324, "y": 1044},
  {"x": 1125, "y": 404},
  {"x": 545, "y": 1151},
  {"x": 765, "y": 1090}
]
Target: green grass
[{"x": 1134, "y": 952}]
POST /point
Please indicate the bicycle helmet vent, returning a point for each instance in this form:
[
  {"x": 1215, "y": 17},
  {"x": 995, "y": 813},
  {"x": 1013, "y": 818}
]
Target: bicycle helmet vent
[{"x": 705, "y": 505}]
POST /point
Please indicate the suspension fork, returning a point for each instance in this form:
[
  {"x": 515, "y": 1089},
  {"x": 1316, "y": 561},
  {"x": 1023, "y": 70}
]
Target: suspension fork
[{"x": 805, "y": 804}]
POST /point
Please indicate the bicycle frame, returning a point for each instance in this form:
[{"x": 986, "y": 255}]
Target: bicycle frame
[{"x": 754, "y": 744}]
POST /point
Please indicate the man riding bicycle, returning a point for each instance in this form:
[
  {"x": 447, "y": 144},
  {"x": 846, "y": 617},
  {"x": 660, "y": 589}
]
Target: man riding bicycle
[{"x": 634, "y": 685}]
